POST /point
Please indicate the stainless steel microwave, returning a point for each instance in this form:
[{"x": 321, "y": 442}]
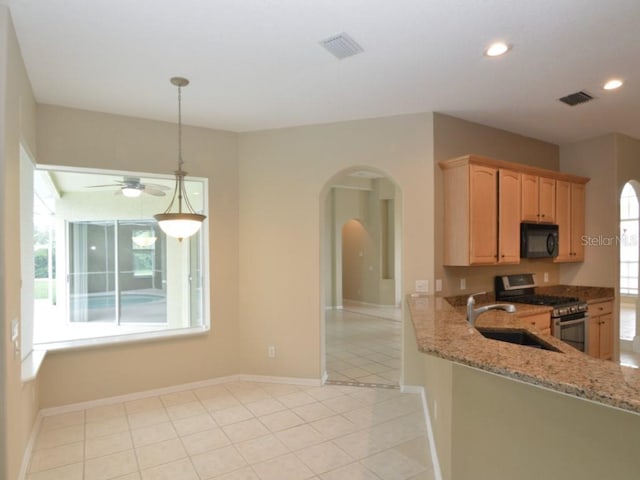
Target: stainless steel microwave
[{"x": 538, "y": 240}]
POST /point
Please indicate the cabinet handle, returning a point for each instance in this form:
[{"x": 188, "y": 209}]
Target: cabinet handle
[{"x": 542, "y": 215}]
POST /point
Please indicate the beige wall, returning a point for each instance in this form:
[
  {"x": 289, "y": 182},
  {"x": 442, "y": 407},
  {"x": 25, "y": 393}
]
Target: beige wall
[
  {"x": 597, "y": 159},
  {"x": 284, "y": 179},
  {"x": 628, "y": 157},
  {"x": 359, "y": 246},
  {"x": 453, "y": 138},
  {"x": 19, "y": 403},
  {"x": 78, "y": 138},
  {"x": 506, "y": 429},
  {"x": 438, "y": 383}
]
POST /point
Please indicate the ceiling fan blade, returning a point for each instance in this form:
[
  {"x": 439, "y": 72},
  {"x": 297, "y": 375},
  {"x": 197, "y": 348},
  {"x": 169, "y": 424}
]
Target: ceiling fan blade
[
  {"x": 153, "y": 191},
  {"x": 100, "y": 186},
  {"x": 157, "y": 186}
]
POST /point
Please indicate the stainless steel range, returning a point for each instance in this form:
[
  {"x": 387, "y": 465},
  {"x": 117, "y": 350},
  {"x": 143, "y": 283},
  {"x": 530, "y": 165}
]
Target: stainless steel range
[{"x": 569, "y": 317}]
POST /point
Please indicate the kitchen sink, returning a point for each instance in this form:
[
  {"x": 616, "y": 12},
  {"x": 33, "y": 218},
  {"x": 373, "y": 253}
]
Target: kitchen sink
[{"x": 519, "y": 337}]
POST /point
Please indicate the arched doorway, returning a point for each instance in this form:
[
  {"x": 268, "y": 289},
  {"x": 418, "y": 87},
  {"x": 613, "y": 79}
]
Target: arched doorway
[
  {"x": 362, "y": 327},
  {"x": 630, "y": 274}
]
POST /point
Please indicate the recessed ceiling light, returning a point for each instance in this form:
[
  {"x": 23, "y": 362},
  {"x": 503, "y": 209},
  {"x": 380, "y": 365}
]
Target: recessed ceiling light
[
  {"x": 613, "y": 84},
  {"x": 496, "y": 49}
]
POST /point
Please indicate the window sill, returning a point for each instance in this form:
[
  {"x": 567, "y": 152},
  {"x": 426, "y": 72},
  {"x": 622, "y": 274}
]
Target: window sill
[
  {"x": 31, "y": 365},
  {"x": 121, "y": 339}
]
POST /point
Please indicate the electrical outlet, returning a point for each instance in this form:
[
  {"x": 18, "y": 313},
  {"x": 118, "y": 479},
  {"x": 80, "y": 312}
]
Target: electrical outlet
[
  {"x": 271, "y": 351},
  {"x": 438, "y": 284},
  {"x": 463, "y": 284},
  {"x": 546, "y": 276},
  {"x": 422, "y": 286}
]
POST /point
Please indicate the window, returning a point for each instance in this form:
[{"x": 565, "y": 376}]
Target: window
[
  {"x": 103, "y": 267},
  {"x": 629, "y": 217}
]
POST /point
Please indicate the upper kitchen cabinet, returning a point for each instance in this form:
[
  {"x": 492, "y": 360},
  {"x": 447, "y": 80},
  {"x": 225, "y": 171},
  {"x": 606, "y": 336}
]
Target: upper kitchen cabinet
[
  {"x": 484, "y": 200},
  {"x": 471, "y": 214},
  {"x": 570, "y": 216},
  {"x": 508, "y": 216},
  {"x": 482, "y": 213},
  {"x": 538, "y": 199}
]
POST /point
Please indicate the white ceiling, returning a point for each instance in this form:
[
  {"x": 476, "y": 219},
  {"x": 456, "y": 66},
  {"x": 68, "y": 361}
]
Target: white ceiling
[{"x": 257, "y": 64}]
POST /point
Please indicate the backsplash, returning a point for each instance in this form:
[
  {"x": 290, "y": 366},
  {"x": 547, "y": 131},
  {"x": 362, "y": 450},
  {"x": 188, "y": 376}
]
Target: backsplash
[{"x": 481, "y": 278}]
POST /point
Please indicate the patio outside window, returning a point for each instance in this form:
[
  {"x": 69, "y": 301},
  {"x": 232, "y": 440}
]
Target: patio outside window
[{"x": 103, "y": 267}]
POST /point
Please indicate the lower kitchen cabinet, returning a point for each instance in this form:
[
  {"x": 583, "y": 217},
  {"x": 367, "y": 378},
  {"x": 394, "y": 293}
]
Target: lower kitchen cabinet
[
  {"x": 539, "y": 321},
  {"x": 601, "y": 330}
]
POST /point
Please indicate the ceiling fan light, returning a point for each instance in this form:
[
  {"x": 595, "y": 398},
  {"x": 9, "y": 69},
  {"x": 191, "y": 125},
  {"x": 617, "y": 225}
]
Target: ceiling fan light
[
  {"x": 179, "y": 225},
  {"x": 131, "y": 192}
]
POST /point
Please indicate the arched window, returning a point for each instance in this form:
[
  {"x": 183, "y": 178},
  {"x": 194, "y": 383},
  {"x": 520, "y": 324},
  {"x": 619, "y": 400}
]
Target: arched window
[{"x": 629, "y": 217}]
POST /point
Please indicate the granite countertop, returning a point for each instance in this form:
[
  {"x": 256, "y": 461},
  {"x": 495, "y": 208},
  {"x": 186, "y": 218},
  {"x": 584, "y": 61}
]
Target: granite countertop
[{"x": 442, "y": 330}]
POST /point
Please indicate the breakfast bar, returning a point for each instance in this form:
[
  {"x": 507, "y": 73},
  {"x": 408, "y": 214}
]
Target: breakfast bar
[{"x": 441, "y": 330}]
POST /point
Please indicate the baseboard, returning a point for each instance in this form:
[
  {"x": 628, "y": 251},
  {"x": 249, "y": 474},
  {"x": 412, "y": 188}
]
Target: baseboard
[
  {"x": 367, "y": 304},
  {"x": 305, "y": 382},
  {"x": 427, "y": 417},
  {"x": 46, "y": 412},
  {"x": 22, "y": 474}
]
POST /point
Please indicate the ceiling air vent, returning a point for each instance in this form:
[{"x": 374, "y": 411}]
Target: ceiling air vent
[
  {"x": 341, "y": 46},
  {"x": 576, "y": 98}
]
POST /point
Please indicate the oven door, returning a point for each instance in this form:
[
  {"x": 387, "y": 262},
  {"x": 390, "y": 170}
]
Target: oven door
[{"x": 574, "y": 330}]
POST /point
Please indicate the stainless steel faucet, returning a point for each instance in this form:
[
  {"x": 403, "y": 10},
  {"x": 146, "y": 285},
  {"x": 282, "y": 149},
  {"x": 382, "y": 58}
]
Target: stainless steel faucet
[{"x": 473, "y": 313}]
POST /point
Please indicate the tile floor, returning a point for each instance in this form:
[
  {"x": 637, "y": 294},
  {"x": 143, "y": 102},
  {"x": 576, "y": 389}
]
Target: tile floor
[
  {"x": 240, "y": 431},
  {"x": 363, "y": 345}
]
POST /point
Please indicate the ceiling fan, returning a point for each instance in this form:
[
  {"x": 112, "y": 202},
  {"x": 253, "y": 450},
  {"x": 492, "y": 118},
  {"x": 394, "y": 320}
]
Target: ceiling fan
[{"x": 132, "y": 187}]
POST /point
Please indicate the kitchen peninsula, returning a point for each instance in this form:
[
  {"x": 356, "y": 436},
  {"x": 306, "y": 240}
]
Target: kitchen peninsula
[
  {"x": 500, "y": 410},
  {"x": 441, "y": 329}
]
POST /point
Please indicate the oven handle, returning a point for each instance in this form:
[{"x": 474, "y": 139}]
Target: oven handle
[
  {"x": 571, "y": 322},
  {"x": 571, "y": 319}
]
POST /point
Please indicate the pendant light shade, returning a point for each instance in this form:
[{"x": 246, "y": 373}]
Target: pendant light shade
[{"x": 179, "y": 224}]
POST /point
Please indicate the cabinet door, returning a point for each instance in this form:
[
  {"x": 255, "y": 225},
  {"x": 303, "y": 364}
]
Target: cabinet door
[
  {"x": 577, "y": 222},
  {"x": 563, "y": 219},
  {"x": 508, "y": 216},
  {"x": 546, "y": 200},
  {"x": 594, "y": 337},
  {"x": 483, "y": 209},
  {"x": 606, "y": 336},
  {"x": 529, "y": 206},
  {"x": 539, "y": 321}
]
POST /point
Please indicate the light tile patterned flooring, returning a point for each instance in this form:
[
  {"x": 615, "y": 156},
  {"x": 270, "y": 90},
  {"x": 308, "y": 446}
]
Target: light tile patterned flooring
[
  {"x": 240, "y": 431},
  {"x": 363, "y": 345}
]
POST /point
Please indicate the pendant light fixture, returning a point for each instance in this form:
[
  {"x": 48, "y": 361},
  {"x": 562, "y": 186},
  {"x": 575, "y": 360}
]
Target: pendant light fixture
[{"x": 180, "y": 224}]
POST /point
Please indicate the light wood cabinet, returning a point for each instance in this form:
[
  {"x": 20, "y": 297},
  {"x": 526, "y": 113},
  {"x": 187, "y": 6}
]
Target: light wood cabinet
[
  {"x": 483, "y": 215},
  {"x": 538, "y": 321},
  {"x": 471, "y": 214},
  {"x": 484, "y": 204},
  {"x": 570, "y": 216},
  {"x": 508, "y": 216},
  {"x": 538, "y": 199},
  {"x": 601, "y": 330}
]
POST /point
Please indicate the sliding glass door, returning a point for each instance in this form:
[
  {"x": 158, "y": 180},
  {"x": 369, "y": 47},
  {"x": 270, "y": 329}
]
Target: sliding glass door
[{"x": 117, "y": 272}]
